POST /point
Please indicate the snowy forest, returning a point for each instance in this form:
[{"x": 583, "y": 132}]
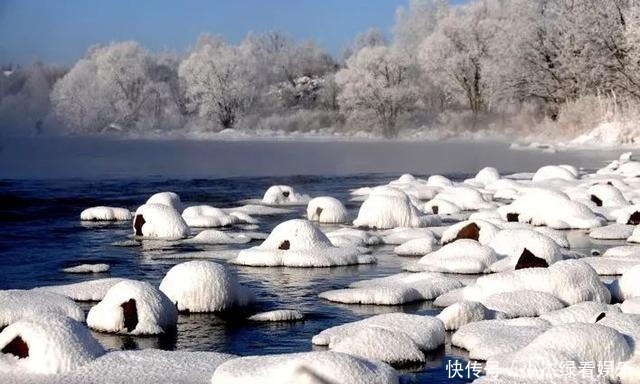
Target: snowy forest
[{"x": 523, "y": 68}]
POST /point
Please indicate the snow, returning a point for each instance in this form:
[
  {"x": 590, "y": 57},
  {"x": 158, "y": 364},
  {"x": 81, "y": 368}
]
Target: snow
[
  {"x": 441, "y": 207},
  {"x": 299, "y": 243},
  {"x": 551, "y": 208},
  {"x": 578, "y": 313},
  {"x": 490, "y": 338},
  {"x": 571, "y": 281},
  {"x": 480, "y": 230},
  {"x": 160, "y": 221},
  {"x": 612, "y": 266},
  {"x": 278, "y": 315},
  {"x": 416, "y": 247},
  {"x": 627, "y": 285},
  {"x": 284, "y": 195},
  {"x": 306, "y": 367},
  {"x": 102, "y": 213},
  {"x": 206, "y": 216},
  {"x": 397, "y": 236},
  {"x": 635, "y": 235},
  {"x": 92, "y": 290},
  {"x": 465, "y": 197},
  {"x": 510, "y": 244},
  {"x": 133, "y": 307},
  {"x": 87, "y": 268},
  {"x": 55, "y": 344},
  {"x": 16, "y": 304},
  {"x": 203, "y": 286},
  {"x": 170, "y": 199},
  {"x": 212, "y": 236},
  {"x": 350, "y": 237},
  {"x": 523, "y": 303},
  {"x": 394, "y": 290},
  {"x": 326, "y": 209},
  {"x": 380, "y": 344},
  {"x": 425, "y": 332},
  {"x": 387, "y": 208},
  {"x": 484, "y": 177},
  {"x": 462, "y": 256},
  {"x": 627, "y": 215},
  {"x": 612, "y": 232},
  {"x": 552, "y": 172},
  {"x": 631, "y": 305},
  {"x": 604, "y": 195},
  {"x": 465, "y": 312},
  {"x": 258, "y": 210}
]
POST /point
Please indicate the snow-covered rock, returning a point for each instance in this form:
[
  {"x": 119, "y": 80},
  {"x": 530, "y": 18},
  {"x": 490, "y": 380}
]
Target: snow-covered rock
[
  {"x": 87, "y": 268},
  {"x": 551, "y": 208},
  {"x": 212, "y": 236},
  {"x": 523, "y": 248},
  {"x": 578, "y": 313},
  {"x": 326, "y": 209},
  {"x": 206, "y": 216},
  {"x": 50, "y": 344},
  {"x": 627, "y": 285},
  {"x": 159, "y": 221},
  {"x": 278, "y": 315},
  {"x": 306, "y": 367},
  {"x": 284, "y": 195},
  {"x": 441, "y": 207},
  {"x": 612, "y": 232},
  {"x": 203, "y": 286},
  {"x": 397, "y": 236},
  {"x": 133, "y": 307},
  {"x": 463, "y": 256},
  {"x": 555, "y": 172},
  {"x": 416, "y": 247},
  {"x": 479, "y": 230},
  {"x": 425, "y": 332},
  {"x": 17, "y": 304},
  {"x": 605, "y": 195},
  {"x": 465, "y": 312},
  {"x": 523, "y": 303},
  {"x": 102, "y": 213},
  {"x": 299, "y": 243},
  {"x": 92, "y": 290},
  {"x": 467, "y": 198},
  {"x": 627, "y": 215},
  {"x": 170, "y": 199},
  {"x": 391, "y": 208},
  {"x": 394, "y": 290}
]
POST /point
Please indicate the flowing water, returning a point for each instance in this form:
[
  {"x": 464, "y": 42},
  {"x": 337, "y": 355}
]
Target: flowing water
[{"x": 45, "y": 184}]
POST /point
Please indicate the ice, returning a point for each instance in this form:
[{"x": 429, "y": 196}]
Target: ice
[
  {"x": 159, "y": 221},
  {"x": 284, "y": 195},
  {"x": 92, "y": 290},
  {"x": 87, "y": 268},
  {"x": 102, "y": 213},
  {"x": 462, "y": 256},
  {"x": 395, "y": 289},
  {"x": 278, "y": 315},
  {"x": 299, "y": 243},
  {"x": 169, "y": 199},
  {"x": 304, "y": 368},
  {"x": 203, "y": 286},
  {"x": 326, "y": 209},
  {"x": 17, "y": 304},
  {"x": 48, "y": 344},
  {"x": 133, "y": 307}
]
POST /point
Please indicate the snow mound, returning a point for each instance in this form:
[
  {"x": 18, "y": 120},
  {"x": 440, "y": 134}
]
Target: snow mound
[
  {"x": 465, "y": 312},
  {"x": 605, "y": 195},
  {"x": 203, "y": 286},
  {"x": 380, "y": 344},
  {"x": 326, "y": 209},
  {"x": 394, "y": 290},
  {"x": 18, "y": 304},
  {"x": 578, "y": 313},
  {"x": 350, "y": 237},
  {"x": 612, "y": 232},
  {"x": 550, "y": 208},
  {"x": 484, "y": 177},
  {"x": 555, "y": 172},
  {"x": 631, "y": 305},
  {"x": 425, "y": 333},
  {"x": 627, "y": 285},
  {"x": 416, "y": 247},
  {"x": 512, "y": 246},
  {"x": 92, "y": 290},
  {"x": 391, "y": 208},
  {"x": 212, "y": 236},
  {"x": 463, "y": 256},
  {"x": 523, "y": 303},
  {"x": 627, "y": 215},
  {"x": 284, "y": 195},
  {"x": 397, "y": 236},
  {"x": 467, "y": 198},
  {"x": 306, "y": 367},
  {"x": 133, "y": 307},
  {"x": 635, "y": 236},
  {"x": 299, "y": 243},
  {"x": 159, "y": 221},
  {"x": 87, "y": 268},
  {"x": 571, "y": 281},
  {"x": 102, "y": 213},
  {"x": 490, "y": 338},
  {"x": 479, "y": 230},
  {"x": 206, "y": 216},
  {"x": 169, "y": 199},
  {"x": 278, "y": 315},
  {"x": 46, "y": 345},
  {"x": 441, "y": 207}
]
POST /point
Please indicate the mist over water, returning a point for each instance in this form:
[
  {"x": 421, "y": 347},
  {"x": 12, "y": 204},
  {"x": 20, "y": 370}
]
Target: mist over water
[{"x": 65, "y": 157}]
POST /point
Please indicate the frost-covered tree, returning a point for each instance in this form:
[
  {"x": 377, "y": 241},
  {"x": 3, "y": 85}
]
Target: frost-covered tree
[
  {"x": 372, "y": 37},
  {"x": 416, "y": 22},
  {"x": 218, "y": 81},
  {"x": 378, "y": 81},
  {"x": 459, "y": 56}
]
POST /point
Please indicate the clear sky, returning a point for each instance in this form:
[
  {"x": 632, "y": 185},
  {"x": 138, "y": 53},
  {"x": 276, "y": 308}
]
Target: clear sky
[{"x": 59, "y": 31}]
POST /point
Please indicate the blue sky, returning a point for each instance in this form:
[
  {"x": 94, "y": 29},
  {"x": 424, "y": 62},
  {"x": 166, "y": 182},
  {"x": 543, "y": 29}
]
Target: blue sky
[{"x": 59, "y": 31}]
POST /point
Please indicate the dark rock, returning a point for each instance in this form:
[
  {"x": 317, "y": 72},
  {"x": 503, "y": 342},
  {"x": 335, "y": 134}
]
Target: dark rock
[
  {"x": 17, "y": 347},
  {"x": 285, "y": 245},
  {"x": 470, "y": 231},
  {"x": 318, "y": 212},
  {"x": 130, "y": 312},
  {"x": 529, "y": 260},
  {"x": 435, "y": 209},
  {"x": 596, "y": 200},
  {"x": 138, "y": 222},
  {"x": 513, "y": 217},
  {"x": 634, "y": 219},
  {"x": 285, "y": 193},
  {"x": 601, "y": 316}
]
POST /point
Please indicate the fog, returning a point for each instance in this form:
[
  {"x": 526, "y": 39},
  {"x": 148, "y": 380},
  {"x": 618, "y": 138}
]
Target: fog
[{"x": 183, "y": 159}]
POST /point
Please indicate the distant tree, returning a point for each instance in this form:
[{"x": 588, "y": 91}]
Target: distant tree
[
  {"x": 218, "y": 81},
  {"x": 378, "y": 81},
  {"x": 372, "y": 37},
  {"x": 416, "y": 22}
]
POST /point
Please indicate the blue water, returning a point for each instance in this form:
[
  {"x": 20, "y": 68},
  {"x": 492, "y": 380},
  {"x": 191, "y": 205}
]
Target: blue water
[{"x": 40, "y": 231}]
